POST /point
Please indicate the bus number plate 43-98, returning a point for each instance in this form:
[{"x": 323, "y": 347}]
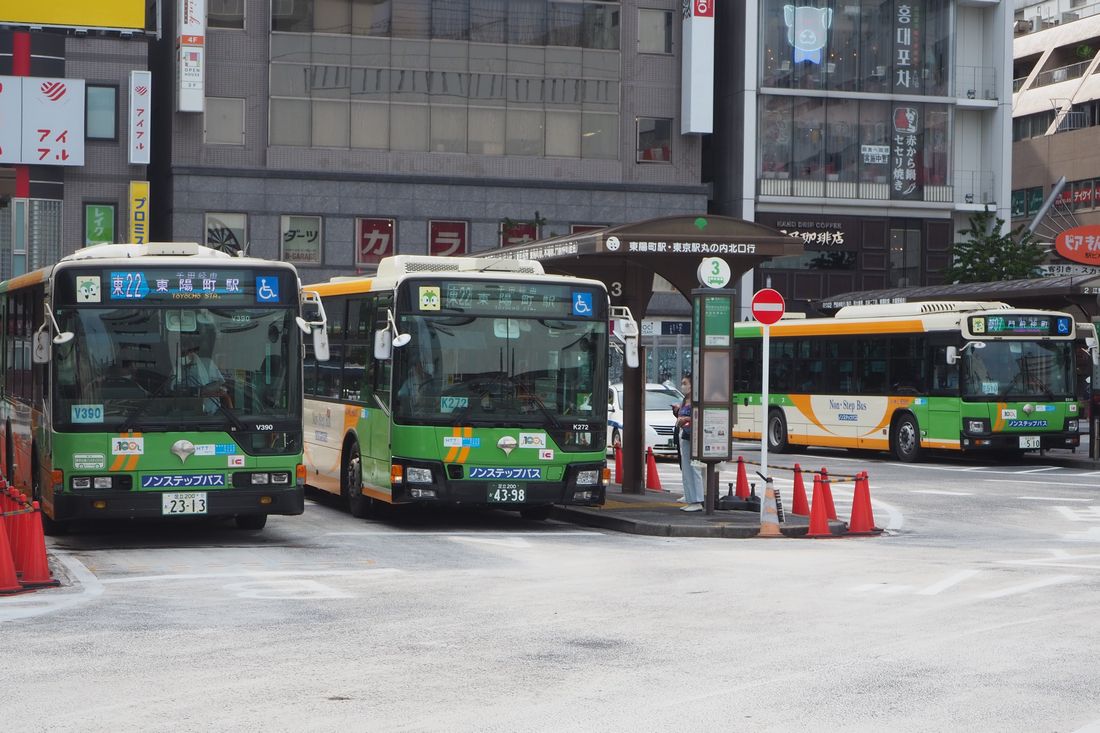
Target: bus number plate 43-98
[
  {"x": 507, "y": 492},
  {"x": 186, "y": 502}
]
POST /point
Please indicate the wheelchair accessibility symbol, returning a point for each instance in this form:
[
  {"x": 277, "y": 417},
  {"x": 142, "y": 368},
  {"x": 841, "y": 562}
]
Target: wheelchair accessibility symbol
[
  {"x": 267, "y": 290},
  {"x": 582, "y": 304}
]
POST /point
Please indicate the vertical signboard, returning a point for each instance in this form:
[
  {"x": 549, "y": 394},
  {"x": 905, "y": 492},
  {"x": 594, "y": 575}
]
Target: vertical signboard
[
  {"x": 904, "y": 183},
  {"x": 373, "y": 241},
  {"x": 190, "y": 50},
  {"x": 52, "y": 121},
  {"x": 11, "y": 119},
  {"x": 447, "y": 238},
  {"x": 99, "y": 223},
  {"x": 141, "y": 91},
  {"x": 697, "y": 68},
  {"x": 908, "y": 30},
  {"x": 139, "y": 212}
]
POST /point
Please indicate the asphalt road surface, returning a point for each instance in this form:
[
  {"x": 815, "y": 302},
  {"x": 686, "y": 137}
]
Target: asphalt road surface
[{"x": 974, "y": 611}]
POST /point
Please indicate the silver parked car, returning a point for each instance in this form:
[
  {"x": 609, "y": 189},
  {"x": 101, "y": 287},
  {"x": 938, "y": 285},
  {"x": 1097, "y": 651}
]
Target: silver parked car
[{"x": 660, "y": 422}]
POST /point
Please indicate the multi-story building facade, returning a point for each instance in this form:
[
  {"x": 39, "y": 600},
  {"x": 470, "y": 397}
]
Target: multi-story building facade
[
  {"x": 1056, "y": 118},
  {"x": 334, "y": 132},
  {"x": 871, "y": 129}
]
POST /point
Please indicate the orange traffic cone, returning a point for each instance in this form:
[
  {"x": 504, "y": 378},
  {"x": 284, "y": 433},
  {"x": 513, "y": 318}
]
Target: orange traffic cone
[
  {"x": 769, "y": 518},
  {"x": 742, "y": 479},
  {"x": 799, "y": 505},
  {"x": 618, "y": 464},
  {"x": 827, "y": 492},
  {"x": 9, "y": 582},
  {"x": 819, "y": 519},
  {"x": 652, "y": 479},
  {"x": 36, "y": 568},
  {"x": 863, "y": 518}
]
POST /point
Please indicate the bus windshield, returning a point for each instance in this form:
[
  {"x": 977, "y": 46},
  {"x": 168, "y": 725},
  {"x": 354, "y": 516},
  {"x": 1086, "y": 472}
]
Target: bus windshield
[
  {"x": 1019, "y": 370},
  {"x": 484, "y": 370},
  {"x": 141, "y": 368}
]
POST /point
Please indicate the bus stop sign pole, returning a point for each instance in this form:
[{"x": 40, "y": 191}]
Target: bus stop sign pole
[{"x": 767, "y": 308}]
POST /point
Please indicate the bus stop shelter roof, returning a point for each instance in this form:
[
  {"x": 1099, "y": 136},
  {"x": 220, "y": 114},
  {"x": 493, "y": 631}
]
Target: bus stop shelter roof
[
  {"x": 1076, "y": 294},
  {"x": 626, "y": 256}
]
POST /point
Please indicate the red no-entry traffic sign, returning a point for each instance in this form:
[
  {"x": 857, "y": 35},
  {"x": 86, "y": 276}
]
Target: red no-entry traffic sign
[{"x": 768, "y": 306}]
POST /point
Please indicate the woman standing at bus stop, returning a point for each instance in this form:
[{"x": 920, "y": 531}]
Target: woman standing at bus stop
[{"x": 693, "y": 480}]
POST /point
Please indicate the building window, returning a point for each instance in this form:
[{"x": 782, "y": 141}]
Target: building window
[
  {"x": 227, "y": 232},
  {"x": 301, "y": 240},
  {"x": 102, "y": 113},
  {"x": 223, "y": 121},
  {"x": 225, "y": 14},
  {"x": 654, "y": 140},
  {"x": 903, "y": 270},
  {"x": 654, "y": 31}
]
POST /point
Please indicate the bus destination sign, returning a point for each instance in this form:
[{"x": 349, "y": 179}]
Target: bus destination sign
[
  {"x": 168, "y": 285},
  {"x": 1021, "y": 325},
  {"x": 508, "y": 298}
]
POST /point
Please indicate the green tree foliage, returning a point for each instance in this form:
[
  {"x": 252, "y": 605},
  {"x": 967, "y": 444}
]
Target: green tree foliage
[{"x": 990, "y": 254}]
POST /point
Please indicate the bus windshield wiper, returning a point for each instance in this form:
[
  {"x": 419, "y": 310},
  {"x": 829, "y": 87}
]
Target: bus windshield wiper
[{"x": 130, "y": 421}]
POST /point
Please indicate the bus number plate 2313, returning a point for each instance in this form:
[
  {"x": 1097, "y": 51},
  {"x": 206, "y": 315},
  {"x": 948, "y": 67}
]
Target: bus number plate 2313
[
  {"x": 187, "y": 502},
  {"x": 507, "y": 492}
]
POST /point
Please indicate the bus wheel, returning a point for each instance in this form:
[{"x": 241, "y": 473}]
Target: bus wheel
[
  {"x": 906, "y": 439},
  {"x": 250, "y": 521},
  {"x": 352, "y": 482},
  {"x": 777, "y": 432},
  {"x": 536, "y": 513}
]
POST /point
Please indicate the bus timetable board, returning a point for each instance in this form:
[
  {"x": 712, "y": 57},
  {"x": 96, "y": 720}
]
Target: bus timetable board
[
  {"x": 209, "y": 285},
  {"x": 521, "y": 299},
  {"x": 1023, "y": 325}
]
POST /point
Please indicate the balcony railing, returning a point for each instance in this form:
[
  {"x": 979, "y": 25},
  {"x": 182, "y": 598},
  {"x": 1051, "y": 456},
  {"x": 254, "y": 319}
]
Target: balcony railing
[
  {"x": 1062, "y": 73},
  {"x": 976, "y": 82},
  {"x": 969, "y": 187}
]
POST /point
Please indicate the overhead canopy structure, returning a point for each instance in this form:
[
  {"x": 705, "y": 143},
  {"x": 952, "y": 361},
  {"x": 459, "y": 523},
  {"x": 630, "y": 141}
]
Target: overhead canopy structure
[
  {"x": 627, "y": 256},
  {"x": 1075, "y": 294}
]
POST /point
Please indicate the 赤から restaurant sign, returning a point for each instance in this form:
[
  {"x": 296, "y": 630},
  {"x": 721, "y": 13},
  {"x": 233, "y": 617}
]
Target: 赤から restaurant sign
[{"x": 1080, "y": 244}]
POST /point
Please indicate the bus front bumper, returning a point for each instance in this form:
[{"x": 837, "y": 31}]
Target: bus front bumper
[
  {"x": 150, "y": 504},
  {"x": 1013, "y": 442}
]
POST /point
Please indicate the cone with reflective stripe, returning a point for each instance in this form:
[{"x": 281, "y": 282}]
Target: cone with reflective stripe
[
  {"x": 827, "y": 492},
  {"x": 799, "y": 505},
  {"x": 36, "y": 567},
  {"x": 742, "y": 479},
  {"x": 618, "y": 464},
  {"x": 863, "y": 518},
  {"x": 9, "y": 582},
  {"x": 819, "y": 515},
  {"x": 652, "y": 479},
  {"x": 769, "y": 514}
]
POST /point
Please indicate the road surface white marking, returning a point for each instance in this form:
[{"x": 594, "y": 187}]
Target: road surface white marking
[
  {"x": 295, "y": 590},
  {"x": 259, "y": 574},
  {"x": 947, "y": 582},
  {"x": 1058, "y": 559},
  {"x": 31, "y": 605},
  {"x": 1093, "y": 727},
  {"x": 513, "y": 542},
  {"x": 1040, "y": 469},
  {"x": 444, "y": 533},
  {"x": 1025, "y": 587},
  {"x": 1049, "y": 498},
  {"x": 1091, "y": 514},
  {"x": 941, "y": 493}
]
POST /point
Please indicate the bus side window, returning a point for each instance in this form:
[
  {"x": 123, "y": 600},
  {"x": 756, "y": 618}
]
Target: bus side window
[{"x": 359, "y": 358}]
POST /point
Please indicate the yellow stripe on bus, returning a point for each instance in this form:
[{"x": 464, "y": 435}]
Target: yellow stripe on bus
[
  {"x": 452, "y": 454},
  {"x": 466, "y": 433},
  {"x": 344, "y": 288}
]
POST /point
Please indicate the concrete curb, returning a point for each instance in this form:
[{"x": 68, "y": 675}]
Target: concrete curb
[{"x": 705, "y": 528}]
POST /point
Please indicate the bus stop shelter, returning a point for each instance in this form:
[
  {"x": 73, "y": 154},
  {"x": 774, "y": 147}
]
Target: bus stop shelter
[{"x": 626, "y": 257}]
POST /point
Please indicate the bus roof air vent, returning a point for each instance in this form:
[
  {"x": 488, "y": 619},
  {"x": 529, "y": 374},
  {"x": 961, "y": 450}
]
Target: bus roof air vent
[
  {"x": 894, "y": 310},
  {"x": 415, "y": 264},
  {"x": 155, "y": 249}
]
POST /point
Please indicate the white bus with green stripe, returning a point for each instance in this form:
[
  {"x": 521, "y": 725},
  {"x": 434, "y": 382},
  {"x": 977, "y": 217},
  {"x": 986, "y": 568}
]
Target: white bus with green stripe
[
  {"x": 462, "y": 381},
  {"x": 157, "y": 380},
  {"x": 908, "y": 377}
]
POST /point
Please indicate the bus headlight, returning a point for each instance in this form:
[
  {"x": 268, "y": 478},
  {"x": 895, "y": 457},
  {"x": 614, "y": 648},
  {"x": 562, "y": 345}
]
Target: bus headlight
[
  {"x": 973, "y": 426},
  {"x": 1073, "y": 426},
  {"x": 588, "y": 478},
  {"x": 418, "y": 475},
  {"x": 102, "y": 482},
  {"x": 82, "y": 482}
]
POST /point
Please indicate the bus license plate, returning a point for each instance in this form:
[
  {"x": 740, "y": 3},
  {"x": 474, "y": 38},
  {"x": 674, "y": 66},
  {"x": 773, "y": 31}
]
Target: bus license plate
[
  {"x": 1030, "y": 442},
  {"x": 507, "y": 492},
  {"x": 187, "y": 502}
]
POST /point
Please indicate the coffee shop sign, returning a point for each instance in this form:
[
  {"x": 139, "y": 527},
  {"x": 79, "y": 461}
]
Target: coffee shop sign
[{"x": 833, "y": 238}]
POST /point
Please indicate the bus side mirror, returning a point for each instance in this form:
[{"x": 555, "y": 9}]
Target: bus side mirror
[
  {"x": 320, "y": 343},
  {"x": 952, "y": 355},
  {"x": 383, "y": 348},
  {"x": 1094, "y": 350},
  {"x": 626, "y": 328}
]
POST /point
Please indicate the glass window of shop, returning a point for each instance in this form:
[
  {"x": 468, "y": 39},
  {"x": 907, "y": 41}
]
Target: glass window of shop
[
  {"x": 903, "y": 46},
  {"x": 535, "y": 78},
  {"x": 903, "y": 269},
  {"x": 806, "y": 138}
]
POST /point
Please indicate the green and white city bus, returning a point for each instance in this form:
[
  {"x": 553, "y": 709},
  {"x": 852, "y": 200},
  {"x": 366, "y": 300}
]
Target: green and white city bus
[
  {"x": 452, "y": 380},
  {"x": 961, "y": 376},
  {"x": 155, "y": 380}
]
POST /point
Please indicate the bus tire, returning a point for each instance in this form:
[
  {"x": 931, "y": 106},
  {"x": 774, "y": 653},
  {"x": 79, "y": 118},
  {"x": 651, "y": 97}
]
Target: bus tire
[
  {"x": 50, "y": 527},
  {"x": 537, "y": 513},
  {"x": 777, "y": 432},
  {"x": 351, "y": 482},
  {"x": 905, "y": 439},
  {"x": 250, "y": 521}
]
